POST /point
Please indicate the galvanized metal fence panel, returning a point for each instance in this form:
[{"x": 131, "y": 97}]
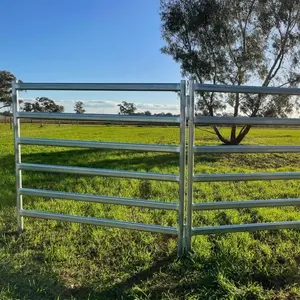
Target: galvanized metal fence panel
[
  {"x": 178, "y": 206},
  {"x": 194, "y": 150},
  {"x": 184, "y": 230}
]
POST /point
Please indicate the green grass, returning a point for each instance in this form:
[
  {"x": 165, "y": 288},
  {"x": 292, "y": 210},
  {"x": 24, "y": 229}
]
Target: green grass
[{"x": 56, "y": 260}]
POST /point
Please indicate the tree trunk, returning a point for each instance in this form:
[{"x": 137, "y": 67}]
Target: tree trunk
[
  {"x": 234, "y": 140},
  {"x": 233, "y": 133},
  {"x": 244, "y": 131},
  {"x": 219, "y": 135}
]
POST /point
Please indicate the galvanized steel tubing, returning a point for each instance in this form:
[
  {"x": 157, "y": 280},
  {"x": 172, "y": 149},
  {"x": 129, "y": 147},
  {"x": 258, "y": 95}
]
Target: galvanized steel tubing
[
  {"x": 191, "y": 128},
  {"x": 99, "y": 199},
  {"x": 180, "y": 178},
  {"x": 17, "y": 149},
  {"x": 182, "y": 163},
  {"x": 246, "y": 227},
  {"x": 99, "y": 145},
  {"x": 98, "y": 221},
  {"x": 245, "y": 204},
  {"x": 98, "y": 117},
  {"x": 244, "y": 89},
  {"x": 98, "y": 172},
  {"x": 146, "y": 87}
]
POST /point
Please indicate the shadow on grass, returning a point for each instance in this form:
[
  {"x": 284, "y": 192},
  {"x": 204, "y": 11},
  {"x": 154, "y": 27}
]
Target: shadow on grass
[
  {"x": 123, "y": 289},
  {"x": 27, "y": 281},
  {"x": 221, "y": 276},
  {"x": 101, "y": 158},
  {"x": 169, "y": 276},
  {"x": 93, "y": 158},
  {"x": 7, "y": 181},
  {"x": 98, "y": 158},
  {"x": 33, "y": 279}
]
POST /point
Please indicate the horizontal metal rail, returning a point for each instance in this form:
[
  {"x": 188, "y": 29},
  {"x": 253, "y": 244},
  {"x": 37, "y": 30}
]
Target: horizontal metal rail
[
  {"x": 156, "y": 87},
  {"x": 245, "y": 204},
  {"x": 245, "y": 89},
  {"x": 99, "y": 199},
  {"x": 246, "y": 149},
  {"x": 246, "y": 177},
  {"x": 99, "y": 145},
  {"x": 98, "y": 117},
  {"x": 245, "y": 227},
  {"x": 245, "y": 121},
  {"x": 98, "y": 172},
  {"x": 98, "y": 221}
]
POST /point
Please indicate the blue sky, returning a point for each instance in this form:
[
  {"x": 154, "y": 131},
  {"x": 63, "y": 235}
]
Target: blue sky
[{"x": 88, "y": 41}]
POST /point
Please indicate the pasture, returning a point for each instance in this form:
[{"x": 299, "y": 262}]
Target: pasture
[{"x": 56, "y": 260}]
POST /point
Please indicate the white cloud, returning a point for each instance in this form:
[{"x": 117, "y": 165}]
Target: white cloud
[
  {"x": 96, "y": 104},
  {"x": 107, "y": 106},
  {"x": 146, "y": 106}
]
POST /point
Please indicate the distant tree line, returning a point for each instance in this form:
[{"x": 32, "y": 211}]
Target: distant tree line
[
  {"x": 43, "y": 104},
  {"x": 78, "y": 107},
  {"x": 6, "y": 114},
  {"x": 128, "y": 108}
]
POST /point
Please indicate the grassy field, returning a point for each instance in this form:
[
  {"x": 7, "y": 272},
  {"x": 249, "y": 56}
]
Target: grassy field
[{"x": 56, "y": 260}]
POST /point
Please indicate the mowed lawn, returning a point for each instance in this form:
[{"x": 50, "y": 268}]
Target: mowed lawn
[{"x": 57, "y": 260}]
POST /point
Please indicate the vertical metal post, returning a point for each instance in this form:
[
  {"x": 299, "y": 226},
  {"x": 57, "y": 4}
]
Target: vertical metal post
[
  {"x": 182, "y": 163},
  {"x": 16, "y": 107},
  {"x": 191, "y": 126}
]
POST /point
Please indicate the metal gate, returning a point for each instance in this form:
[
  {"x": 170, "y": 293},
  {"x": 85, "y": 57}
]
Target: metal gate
[
  {"x": 184, "y": 230},
  {"x": 180, "y": 149},
  {"x": 194, "y": 150}
]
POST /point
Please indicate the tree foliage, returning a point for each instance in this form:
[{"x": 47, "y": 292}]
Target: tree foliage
[
  {"x": 78, "y": 107},
  {"x": 127, "y": 108},
  {"x": 236, "y": 42},
  {"x": 43, "y": 104},
  {"x": 7, "y": 113},
  {"x": 5, "y": 88}
]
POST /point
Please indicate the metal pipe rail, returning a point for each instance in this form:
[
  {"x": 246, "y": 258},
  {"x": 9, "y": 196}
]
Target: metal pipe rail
[
  {"x": 98, "y": 221},
  {"x": 180, "y": 178},
  {"x": 98, "y": 117},
  {"x": 246, "y": 177},
  {"x": 244, "y": 89},
  {"x": 246, "y": 149},
  {"x": 245, "y": 227},
  {"x": 146, "y": 87},
  {"x": 99, "y": 145},
  {"x": 246, "y": 204},
  {"x": 99, "y": 199},
  {"x": 247, "y": 90},
  {"x": 245, "y": 121},
  {"x": 97, "y": 172}
]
